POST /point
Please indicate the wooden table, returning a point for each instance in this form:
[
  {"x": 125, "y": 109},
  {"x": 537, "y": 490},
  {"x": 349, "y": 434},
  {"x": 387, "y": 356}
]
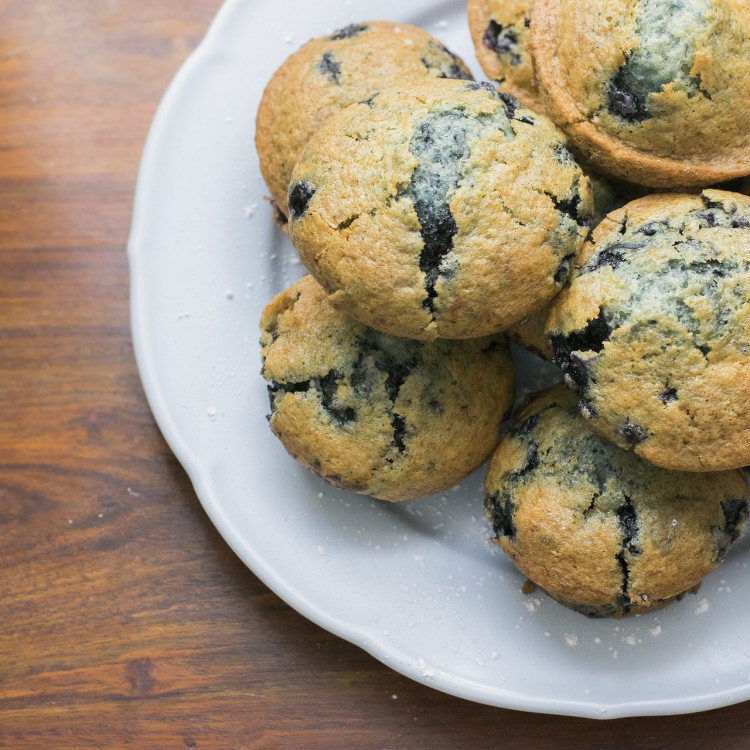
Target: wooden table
[{"x": 125, "y": 620}]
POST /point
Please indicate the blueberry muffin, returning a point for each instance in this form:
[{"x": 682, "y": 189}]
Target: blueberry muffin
[
  {"x": 652, "y": 91},
  {"x": 653, "y": 330},
  {"x": 331, "y": 72},
  {"x": 378, "y": 414},
  {"x": 441, "y": 209},
  {"x": 500, "y": 33},
  {"x": 601, "y": 530}
]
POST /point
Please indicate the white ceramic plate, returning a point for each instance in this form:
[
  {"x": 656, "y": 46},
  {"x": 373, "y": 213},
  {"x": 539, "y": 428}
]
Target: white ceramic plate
[{"x": 416, "y": 584}]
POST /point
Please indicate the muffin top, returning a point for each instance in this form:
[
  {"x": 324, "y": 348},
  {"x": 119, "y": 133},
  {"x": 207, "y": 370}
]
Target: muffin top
[
  {"x": 329, "y": 73},
  {"x": 441, "y": 209},
  {"x": 378, "y": 414},
  {"x": 597, "y": 527},
  {"x": 652, "y": 91},
  {"x": 653, "y": 330},
  {"x": 500, "y": 33}
]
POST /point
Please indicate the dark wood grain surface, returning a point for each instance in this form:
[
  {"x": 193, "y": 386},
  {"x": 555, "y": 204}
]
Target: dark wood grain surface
[{"x": 125, "y": 620}]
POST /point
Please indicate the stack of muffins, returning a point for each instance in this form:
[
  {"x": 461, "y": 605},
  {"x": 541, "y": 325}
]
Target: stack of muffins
[{"x": 571, "y": 208}]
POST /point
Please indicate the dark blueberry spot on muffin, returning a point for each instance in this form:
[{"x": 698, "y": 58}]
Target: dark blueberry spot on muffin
[
  {"x": 626, "y": 98},
  {"x": 576, "y": 374},
  {"x": 328, "y": 386},
  {"x": 721, "y": 214},
  {"x": 571, "y": 206},
  {"x": 628, "y": 520},
  {"x": 585, "y": 405},
  {"x": 397, "y": 374},
  {"x": 348, "y": 222},
  {"x": 563, "y": 269},
  {"x": 398, "y": 423},
  {"x": 300, "y": 195},
  {"x": 612, "y": 255},
  {"x": 590, "y": 338},
  {"x": 435, "y": 406},
  {"x": 370, "y": 99},
  {"x": 395, "y": 358},
  {"x": 275, "y": 388},
  {"x": 531, "y": 463},
  {"x": 503, "y": 41},
  {"x": 709, "y": 202},
  {"x": 667, "y": 395},
  {"x": 609, "y": 256},
  {"x": 622, "y": 599},
  {"x": 501, "y": 511},
  {"x": 441, "y": 144},
  {"x": 633, "y": 434},
  {"x": 707, "y": 218},
  {"x": 511, "y": 106},
  {"x": 527, "y": 425},
  {"x": 651, "y": 228},
  {"x": 735, "y": 514},
  {"x": 329, "y": 67},
  {"x": 448, "y": 65},
  {"x": 348, "y": 32},
  {"x": 479, "y": 85},
  {"x": 592, "y": 505},
  {"x": 438, "y": 229},
  {"x": 698, "y": 81}
]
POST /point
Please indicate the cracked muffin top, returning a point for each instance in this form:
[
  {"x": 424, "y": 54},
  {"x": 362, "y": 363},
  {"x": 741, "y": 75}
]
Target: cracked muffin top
[
  {"x": 378, "y": 414},
  {"x": 653, "y": 329},
  {"x": 500, "y": 33},
  {"x": 329, "y": 73},
  {"x": 442, "y": 209},
  {"x": 653, "y": 91},
  {"x": 601, "y": 530},
  {"x": 530, "y": 332}
]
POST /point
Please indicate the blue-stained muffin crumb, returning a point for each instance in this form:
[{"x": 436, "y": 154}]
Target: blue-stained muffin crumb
[
  {"x": 328, "y": 66},
  {"x": 665, "y": 53},
  {"x": 300, "y": 195}
]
